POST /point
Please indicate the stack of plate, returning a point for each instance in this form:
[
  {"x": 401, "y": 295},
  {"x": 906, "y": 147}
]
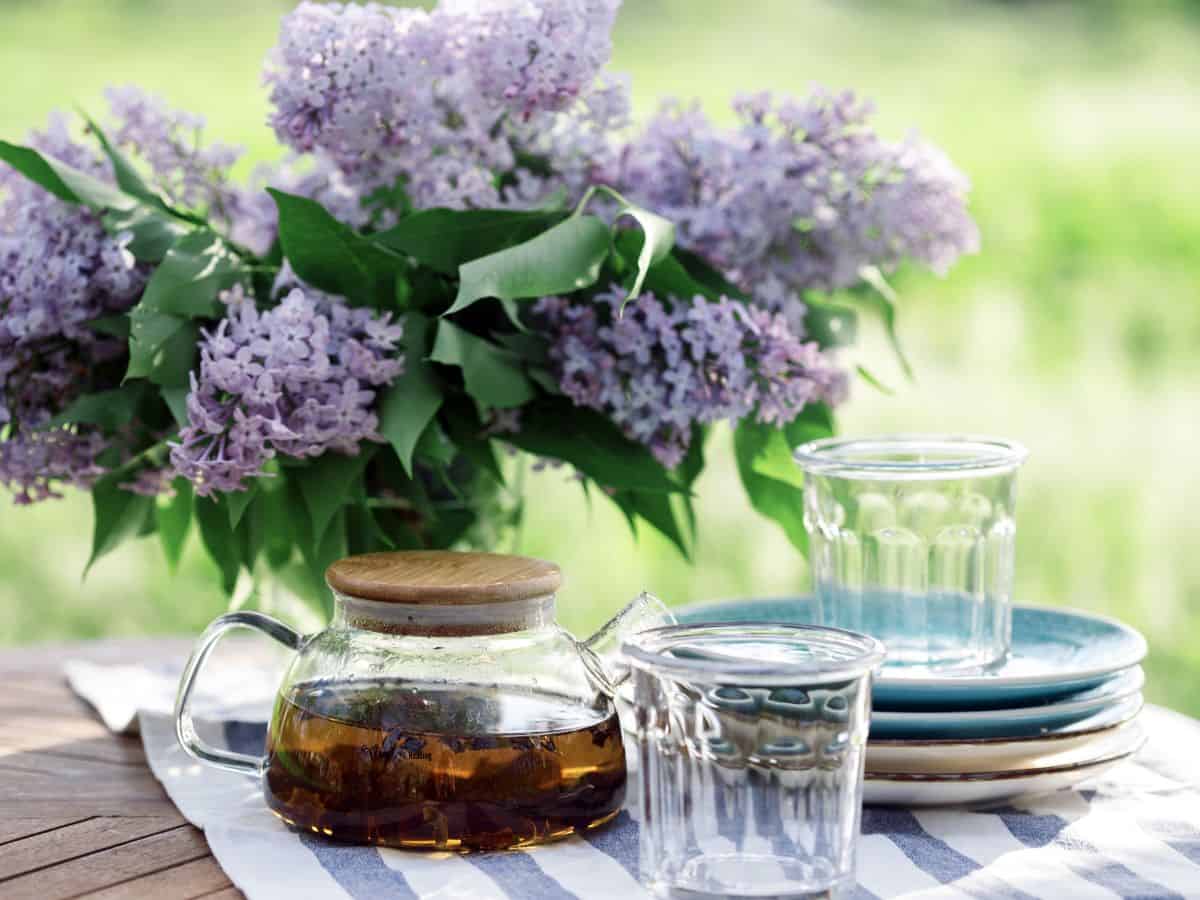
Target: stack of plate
[{"x": 1061, "y": 709}]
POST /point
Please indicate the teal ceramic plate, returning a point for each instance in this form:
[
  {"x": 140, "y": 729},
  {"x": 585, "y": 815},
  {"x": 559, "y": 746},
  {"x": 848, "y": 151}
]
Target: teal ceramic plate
[
  {"x": 1023, "y": 721},
  {"x": 1055, "y": 652}
]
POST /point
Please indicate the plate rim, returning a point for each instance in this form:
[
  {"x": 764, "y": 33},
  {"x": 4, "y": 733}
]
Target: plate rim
[
  {"x": 989, "y": 777},
  {"x": 966, "y": 682},
  {"x": 948, "y": 680},
  {"x": 898, "y": 743},
  {"x": 1015, "y": 713}
]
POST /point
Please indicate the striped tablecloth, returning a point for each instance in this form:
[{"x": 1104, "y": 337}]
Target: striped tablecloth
[{"x": 1134, "y": 832}]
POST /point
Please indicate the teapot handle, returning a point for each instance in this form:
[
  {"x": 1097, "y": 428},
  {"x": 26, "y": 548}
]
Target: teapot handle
[{"x": 241, "y": 763}]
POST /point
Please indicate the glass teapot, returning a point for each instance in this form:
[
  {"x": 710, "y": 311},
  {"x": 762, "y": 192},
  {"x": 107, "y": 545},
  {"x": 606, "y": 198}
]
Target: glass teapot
[{"x": 443, "y": 708}]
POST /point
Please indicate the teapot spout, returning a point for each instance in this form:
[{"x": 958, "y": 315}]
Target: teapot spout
[{"x": 603, "y": 649}]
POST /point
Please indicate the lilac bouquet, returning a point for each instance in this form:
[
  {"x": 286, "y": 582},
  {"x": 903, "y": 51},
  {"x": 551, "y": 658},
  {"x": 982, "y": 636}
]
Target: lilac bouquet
[{"x": 469, "y": 251}]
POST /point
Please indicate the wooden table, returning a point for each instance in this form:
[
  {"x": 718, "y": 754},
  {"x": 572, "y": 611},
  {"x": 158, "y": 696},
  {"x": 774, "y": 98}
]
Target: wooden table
[{"x": 80, "y": 813}]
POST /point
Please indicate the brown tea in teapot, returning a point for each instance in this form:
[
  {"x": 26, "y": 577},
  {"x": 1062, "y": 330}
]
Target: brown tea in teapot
[{"x": 424, "y": 766}]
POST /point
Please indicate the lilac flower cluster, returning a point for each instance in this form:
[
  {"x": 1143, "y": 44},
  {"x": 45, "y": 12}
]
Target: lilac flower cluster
[
  {"x": 803, "y": 192},
  {"x": 189, "y": 172},
  {"x": 659, "y": 369},
  {"x": 448, "y": 101},
  {"x": 534, "y": 56},
  {"x": 298, "y": 379},
  {"x": 58, "y": 271}
]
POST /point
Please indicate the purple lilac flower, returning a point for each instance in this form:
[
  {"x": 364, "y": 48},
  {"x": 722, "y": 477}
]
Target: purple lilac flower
[
  {"x": 446, "y": 101},
  {"x": 803, "y": 191},
  {"x": 299, "y": 379},
  {"x": 58, "y": 271},
  {"x": 657, "y": 370},
  {"x": 188, "y": 171},
  {"x": 535, "y": 55}
]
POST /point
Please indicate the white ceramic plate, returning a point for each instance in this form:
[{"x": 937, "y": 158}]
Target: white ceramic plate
[
  {"x": 989, "y": 787},
  {"x": 997, "y": 756}
]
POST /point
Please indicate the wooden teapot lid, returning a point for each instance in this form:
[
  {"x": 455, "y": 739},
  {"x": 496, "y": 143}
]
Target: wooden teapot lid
[{"x": 443, "y": 577}]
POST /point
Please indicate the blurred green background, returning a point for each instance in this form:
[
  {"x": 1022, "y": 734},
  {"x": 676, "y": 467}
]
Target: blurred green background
[{"x": 1075, "y": 331}]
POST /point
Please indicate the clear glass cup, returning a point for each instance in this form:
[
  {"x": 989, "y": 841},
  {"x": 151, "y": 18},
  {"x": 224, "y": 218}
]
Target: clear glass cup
[
  {"x": 912, "y": 541},
  {"x": 750, "y": 744}
]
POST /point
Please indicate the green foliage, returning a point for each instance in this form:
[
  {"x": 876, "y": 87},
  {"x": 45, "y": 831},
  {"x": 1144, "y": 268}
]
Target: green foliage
[
  {"x": 118, "y": 514},
  {"x": 174, "y": 521},
  {"x": 333, "y": 257},
  {"x": 770, "y": 478},
  {"x": 65, "y": 181},
  {"x": 326, "y": 485},
  {"x": 657, "y": 237},
  {"x": 445, "y": 239},
  {"x": 151, "y": 224},
  {"x": 197, "y": 267},
  {"x": 494, "y": 376},
  {"x": 560, "y": 260},
  {"x": 592, "y": 444},
  {"x": 408, "y": 406}
]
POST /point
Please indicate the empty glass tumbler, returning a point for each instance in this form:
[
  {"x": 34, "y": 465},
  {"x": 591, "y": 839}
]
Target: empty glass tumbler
[
  {"x": 749, "y": 745},
  {"x": 912, "y": 540}
]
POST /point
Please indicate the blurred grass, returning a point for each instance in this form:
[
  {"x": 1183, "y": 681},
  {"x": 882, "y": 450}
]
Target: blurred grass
[{"x": 1076, "y": 331}]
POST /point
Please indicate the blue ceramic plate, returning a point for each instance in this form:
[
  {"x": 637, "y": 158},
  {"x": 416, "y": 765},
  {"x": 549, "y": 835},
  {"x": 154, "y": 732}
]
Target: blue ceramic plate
[
  {"x": 1055, "y": 652},
  {"x": 1025, "y": 721}
]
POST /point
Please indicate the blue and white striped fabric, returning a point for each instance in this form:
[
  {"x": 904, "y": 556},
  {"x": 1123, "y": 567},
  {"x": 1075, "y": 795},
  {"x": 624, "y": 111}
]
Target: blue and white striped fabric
[{"x": 1134, "y": 832}]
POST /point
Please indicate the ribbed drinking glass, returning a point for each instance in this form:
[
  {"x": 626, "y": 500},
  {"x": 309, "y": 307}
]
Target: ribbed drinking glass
[
  {"x": 912, "y": 541},
  {"x": 749, "y": 757}
]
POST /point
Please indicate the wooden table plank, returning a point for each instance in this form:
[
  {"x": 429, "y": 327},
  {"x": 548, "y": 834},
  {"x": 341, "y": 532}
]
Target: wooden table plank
[
  {"x": 14, "y": 828},
  {"x": 151, "y": 854},
  {"x": 198, "y": 878},
  {"x": 80, "y": 839},
  {"x": 80, "y": 813}
]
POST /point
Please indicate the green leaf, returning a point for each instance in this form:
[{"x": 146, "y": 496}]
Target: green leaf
[
  {"x": 657, "y": 511},
  {"x": 412, "y": 401},
  {"x": 780, "y": 501},
  {"x": 883, "y": 298},
  {"x": 869, "y": 377},
  {"x": 279, "y": 521},
  {"x": 325, "y": 484},
  {"x": 814, "y": 422},
  {"x": 468, "y": 433},
  {"x": 162, "y": 347},
  {"x": 435, "y": 446},
  {"x": 195, "y": 270},
  {"x": 250, "y": 531},
  {"x": 176, "y": 400},
  {"x": 829, "y": 324},
  {"x": 564, "y": 259},
  {"x": 118, "y": 514},
  {"x": 64, "y": 181},
  {"x": 237, "y": 501},
  {"x": 174, "y": 521},
  {"x": 127, "y": 177},
  {"x": 108, "y": 409},
  {"x": 493, "y": 375},
  {"x": 689, "y": 470},
  {"x": 592, "y": 444},
  {"x": 114, "y": 326},
  {"x": 444, "y": 239},
  {"x": 317, "y": 559},
  {"x": 153, "y": 230},
  {"x": 714, "y": 284},
  {"x": 774, "y": 460},
  {"x": 334, "y": 258},
  {"x": 658, "y": 237},
  {"x": 219, "y": 540}
]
